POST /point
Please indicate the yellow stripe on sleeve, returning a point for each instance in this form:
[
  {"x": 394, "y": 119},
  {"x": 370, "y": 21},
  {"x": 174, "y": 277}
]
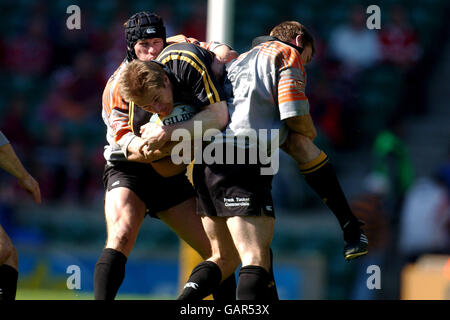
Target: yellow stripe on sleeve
[{"x": 131, "y": 115}]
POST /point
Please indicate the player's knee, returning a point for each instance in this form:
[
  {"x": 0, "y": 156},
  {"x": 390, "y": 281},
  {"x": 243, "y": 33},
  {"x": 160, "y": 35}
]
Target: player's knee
[
  {"x": 228, "y": 260},
  {"x": 121, "y": 239},
  {"x": 231, "y": 261},
  {"x": 256, "y": 258}
]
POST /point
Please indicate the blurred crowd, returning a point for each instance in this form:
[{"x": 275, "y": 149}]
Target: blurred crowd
[
  {"x": 346, "y": 96},
  {"x": 52, "y": 81}
]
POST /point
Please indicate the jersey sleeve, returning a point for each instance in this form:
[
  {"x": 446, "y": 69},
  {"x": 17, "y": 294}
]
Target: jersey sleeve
[
  {"x": 292, "y": 100},
  {"x": 192, "y": 66},
  {"x": 116, "y": 113}
]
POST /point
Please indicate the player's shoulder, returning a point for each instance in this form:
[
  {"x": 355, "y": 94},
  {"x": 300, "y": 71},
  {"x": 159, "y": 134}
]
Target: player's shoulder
[
  {"x": 181, "y": 38},
  {"x": 285, "y": 55},
  {"x": 182, "y": 47},
  {"x": 185, "y": 52},
  {"x": 112, "y": 84},
  {"x": 280, "y": 47}
]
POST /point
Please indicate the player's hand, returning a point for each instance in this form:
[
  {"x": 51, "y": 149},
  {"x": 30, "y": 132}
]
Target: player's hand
[
  {"x": 225, "y": 54},
  {"x": 154, "y": 136},
  {"x": 146, "y": 129},
  {"x": 29, "y": 184},
  {"x": 153, "y": 155}
]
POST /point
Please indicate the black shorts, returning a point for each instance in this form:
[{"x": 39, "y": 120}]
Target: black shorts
[
  {"x": 227, "y": 190},
  {"x": 158, "y": 193}
]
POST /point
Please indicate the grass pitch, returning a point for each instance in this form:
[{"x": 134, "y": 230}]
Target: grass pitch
[{"x": 31, "y": 294}]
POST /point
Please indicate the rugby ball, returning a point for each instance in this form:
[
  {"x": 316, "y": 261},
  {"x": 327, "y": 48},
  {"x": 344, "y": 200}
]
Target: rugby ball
[{"x": 181, "y": 112}]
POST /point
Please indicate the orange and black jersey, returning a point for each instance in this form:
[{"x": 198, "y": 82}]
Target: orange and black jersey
[{"x": 189, "y": 69}]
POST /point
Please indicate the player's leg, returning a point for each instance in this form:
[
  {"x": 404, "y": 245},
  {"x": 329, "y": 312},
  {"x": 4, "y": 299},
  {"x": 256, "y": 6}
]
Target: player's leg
[
  {"x": 124, "y": 213},
  {"x": 185, "y": 222},
  {"x": 252, "y": 236},
  {"x": 321, "y": 177},
  {"x": 177, "y": 194},
  {"x": 206, "y": 276},
  {"x": 8, "y": 268}
]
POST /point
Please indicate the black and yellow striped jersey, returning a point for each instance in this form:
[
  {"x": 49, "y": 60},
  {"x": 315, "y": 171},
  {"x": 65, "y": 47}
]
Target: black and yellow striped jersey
[
  {"x": 123, "y": 120},
  {"x": 189, "y": 69}
]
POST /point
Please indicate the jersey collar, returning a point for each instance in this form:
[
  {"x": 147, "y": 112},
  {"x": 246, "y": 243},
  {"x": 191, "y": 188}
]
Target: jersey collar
[{"x": 262, "y": 39}]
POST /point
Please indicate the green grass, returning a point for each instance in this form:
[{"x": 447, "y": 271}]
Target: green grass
[{"x": 30, "y": 294}]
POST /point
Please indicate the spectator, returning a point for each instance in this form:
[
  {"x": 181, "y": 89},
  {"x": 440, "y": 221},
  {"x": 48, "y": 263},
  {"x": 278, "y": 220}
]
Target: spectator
[
  {"x": 355, "y": 46},
  {"x": 399, "y": 41},
  {"x": 327, "y": 112},
  {"x": 425, "y": 219},
  {"x": 392, "y": 159}
]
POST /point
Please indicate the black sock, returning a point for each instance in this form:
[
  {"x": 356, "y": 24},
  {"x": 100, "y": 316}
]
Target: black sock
[
  {"x": 109, "y": 274},
  {"x": 227, "y": 290},
  {"x": 254, "y": 284},
  {"x": 8, "y": 283},
  {"x": 273, "y": 288},
  {"x": 321, "y": 177},
  {"x": 204, "y": 280}
]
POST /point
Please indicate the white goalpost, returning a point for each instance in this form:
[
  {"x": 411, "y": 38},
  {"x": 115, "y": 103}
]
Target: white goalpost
[{"x": 220, "y": 21}]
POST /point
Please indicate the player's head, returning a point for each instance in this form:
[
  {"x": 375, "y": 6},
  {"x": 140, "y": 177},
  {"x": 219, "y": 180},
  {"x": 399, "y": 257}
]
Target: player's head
[
  {"x": 146, "y": 83},
  {"x": 295, "y": 33},
  {"x": 145, "y": 35}
]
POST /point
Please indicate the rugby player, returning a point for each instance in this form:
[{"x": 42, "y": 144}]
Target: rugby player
[
  {"x": 8, "y": 253},
  {"x": 313, "y": 163},
  {"x": 282, "y": 60},
  {"x": 133, "y": 187},
  {"x": 267, "y": 91}
]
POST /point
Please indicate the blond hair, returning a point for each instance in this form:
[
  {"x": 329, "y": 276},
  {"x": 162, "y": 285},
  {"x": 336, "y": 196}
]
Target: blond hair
[
  {"x": 139, "y": 80},
  {"x": 289, "y": 30}
]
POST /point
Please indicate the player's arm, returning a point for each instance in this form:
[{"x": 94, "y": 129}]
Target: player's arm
[
  {"x": 294, "y": 110},
  {"x": 292, "y": 100},
  {"x": 302, "y": 125},
  {"x": 223, "y": 52},
  {"x": 11, "y": 163},
  {"x": 194, "y": 68},
  {"x": 117, "y": 113},
  {"x": 157, "y": 138},
  {"x": 134, "y": 152},
  {"x": 213, "y": 116}
]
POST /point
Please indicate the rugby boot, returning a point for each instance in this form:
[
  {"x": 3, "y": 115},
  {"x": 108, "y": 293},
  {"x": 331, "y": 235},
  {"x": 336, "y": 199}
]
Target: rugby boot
[{"x": 356, "y": 243}]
